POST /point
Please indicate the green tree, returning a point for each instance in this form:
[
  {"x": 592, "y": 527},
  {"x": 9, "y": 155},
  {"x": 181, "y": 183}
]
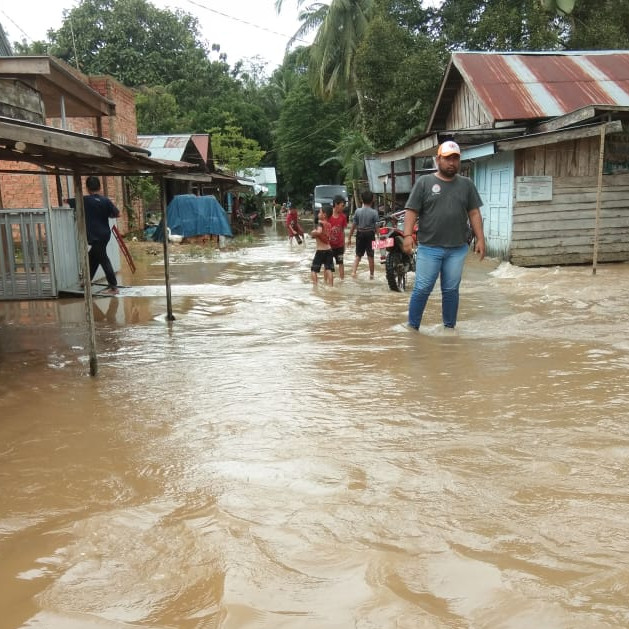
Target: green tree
[
  {"x": 283, "y": 80},
  {"x": 23, "y": 48},
  {"x": 232, "y": 150},
  {"x": 349, "y": 153},
  {"x": 497, "y": 25},
  {"x": 157, "y": 111},
  {"x": 143, "y": 189},
  {"x": 180, "y": 88},
  {"x": 131, "y": 40},
  {"x": 307, "y": 128},
  {"x": 334, "y": 48},
  {"x": 399, "y": 68},
  {"x": 273, "y": 94},
  {"x": 340, "y": 27},
  {"x": 603, "y": 25}
]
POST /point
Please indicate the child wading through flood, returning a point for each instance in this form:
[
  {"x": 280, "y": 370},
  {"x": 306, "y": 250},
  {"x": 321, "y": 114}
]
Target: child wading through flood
[
  {"x": 323, "y": 255},
  {"x": 293, "y": 227}
]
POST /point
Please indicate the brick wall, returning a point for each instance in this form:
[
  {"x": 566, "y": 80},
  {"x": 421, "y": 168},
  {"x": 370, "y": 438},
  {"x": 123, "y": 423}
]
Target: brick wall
[
  {"x": 26, "y": 191},
  {"x": 21, "y": 191}
]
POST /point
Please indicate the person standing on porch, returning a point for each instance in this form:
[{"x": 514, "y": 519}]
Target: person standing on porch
[
  {"x": 98, "y": 210},
  {"x": 443, "y": 203}
]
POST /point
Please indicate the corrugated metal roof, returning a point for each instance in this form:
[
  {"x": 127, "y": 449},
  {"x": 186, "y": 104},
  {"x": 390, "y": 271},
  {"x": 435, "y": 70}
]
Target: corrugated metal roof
[
  {"x": 202, "y": 142},
  {"x": 179, "y": 147},
  {"x": 171, "y": 147},
  {"x": 525, "y": 86}
]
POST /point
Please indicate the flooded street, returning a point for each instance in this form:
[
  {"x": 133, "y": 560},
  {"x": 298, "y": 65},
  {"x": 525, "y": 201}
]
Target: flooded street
[{"x": 288, "y": 457}]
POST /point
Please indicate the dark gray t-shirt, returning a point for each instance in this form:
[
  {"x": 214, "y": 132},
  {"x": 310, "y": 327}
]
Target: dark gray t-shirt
[
  {"x": 442, "y": 208},
  {"x": 366, "y": 217}
]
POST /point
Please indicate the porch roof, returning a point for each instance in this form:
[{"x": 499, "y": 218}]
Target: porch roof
[{"x": 60, "y": 152}]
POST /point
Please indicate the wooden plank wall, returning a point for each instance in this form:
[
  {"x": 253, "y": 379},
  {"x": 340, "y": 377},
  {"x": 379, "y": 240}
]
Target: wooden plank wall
[
  {"x": 466, "y": 112},
  {"x": 575, "y": 158},
  {"x": 561, "y": 231},
  {"x": 21, "y": 101}
]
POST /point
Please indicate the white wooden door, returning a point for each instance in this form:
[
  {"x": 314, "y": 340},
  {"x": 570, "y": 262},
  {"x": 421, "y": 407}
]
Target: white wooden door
[{"x": 494, "y": 180}]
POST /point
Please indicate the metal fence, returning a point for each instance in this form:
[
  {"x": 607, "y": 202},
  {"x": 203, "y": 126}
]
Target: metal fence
[{"x": 26, "y": 264}]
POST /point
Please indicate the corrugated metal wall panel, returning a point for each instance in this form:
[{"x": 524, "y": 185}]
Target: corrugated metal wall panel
[
  {"x": 25, "y": 255},
  {"x": 65, "y": 250}
]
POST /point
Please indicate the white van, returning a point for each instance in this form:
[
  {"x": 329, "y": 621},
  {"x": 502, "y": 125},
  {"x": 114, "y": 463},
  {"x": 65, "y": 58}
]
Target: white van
[{"x": 325, "y": 194}]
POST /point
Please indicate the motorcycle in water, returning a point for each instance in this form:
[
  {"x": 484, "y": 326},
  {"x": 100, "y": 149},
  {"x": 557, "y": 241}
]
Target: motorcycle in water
[{"x": 390, "y": 242}]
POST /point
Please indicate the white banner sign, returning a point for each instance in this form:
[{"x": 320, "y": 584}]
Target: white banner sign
[{"x": 533, "y": 188}]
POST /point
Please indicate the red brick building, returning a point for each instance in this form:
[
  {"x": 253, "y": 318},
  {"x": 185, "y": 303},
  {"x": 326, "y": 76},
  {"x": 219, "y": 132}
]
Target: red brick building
[{"x": 92, "y": 105}]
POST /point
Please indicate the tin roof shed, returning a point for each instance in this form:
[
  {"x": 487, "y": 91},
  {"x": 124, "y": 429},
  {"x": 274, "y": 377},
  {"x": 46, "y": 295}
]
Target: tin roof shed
[
  {"x": 524, "y": 86},
  {"x": 194, "y": 148}
]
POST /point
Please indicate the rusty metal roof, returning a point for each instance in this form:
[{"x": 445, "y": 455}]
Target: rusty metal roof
[{"x": 529, "y": 86}]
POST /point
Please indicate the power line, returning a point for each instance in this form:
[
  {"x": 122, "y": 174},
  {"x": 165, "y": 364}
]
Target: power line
[
  {"x": 19, "y": 28},
  {"x": 312, "y": 134},
  {"x": 199, "y": 5},
  {"x": 245, "y": 22}
]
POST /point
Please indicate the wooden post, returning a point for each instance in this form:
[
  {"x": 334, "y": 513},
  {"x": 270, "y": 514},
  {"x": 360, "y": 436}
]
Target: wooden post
[
  {"x": 384, "y": 187},
  {"x": 87, "y": 280},
  {"x": 58, "y": 185},
  {"x": 169, "y": 301},
  {"x": 599, "y": 191}
]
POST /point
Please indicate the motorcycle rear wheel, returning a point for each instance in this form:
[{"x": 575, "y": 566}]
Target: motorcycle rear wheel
[{"x": 396, "y": 270}]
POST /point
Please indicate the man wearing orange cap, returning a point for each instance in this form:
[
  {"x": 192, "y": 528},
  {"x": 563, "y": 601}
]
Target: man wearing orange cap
[{"x": 443, "y": 203}]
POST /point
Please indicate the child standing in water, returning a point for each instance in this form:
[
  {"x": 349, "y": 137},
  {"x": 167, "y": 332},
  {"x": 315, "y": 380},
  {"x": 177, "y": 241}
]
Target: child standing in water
[
  {"x": 338, "y": 223},
  {"x": 323, "y": 255},
  {"x": 293, "y": 227}
]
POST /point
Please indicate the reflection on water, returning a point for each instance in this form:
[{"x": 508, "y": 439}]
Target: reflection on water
[{"x": 285, "y": 456}]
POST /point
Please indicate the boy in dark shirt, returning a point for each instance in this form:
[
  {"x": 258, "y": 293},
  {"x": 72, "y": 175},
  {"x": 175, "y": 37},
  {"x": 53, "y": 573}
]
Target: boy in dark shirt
[{"x": 98, "y": 210}]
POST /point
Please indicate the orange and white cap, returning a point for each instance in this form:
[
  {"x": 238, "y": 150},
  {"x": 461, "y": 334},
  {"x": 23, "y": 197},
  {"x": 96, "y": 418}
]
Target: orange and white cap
[{"x": 448, "y": 148}]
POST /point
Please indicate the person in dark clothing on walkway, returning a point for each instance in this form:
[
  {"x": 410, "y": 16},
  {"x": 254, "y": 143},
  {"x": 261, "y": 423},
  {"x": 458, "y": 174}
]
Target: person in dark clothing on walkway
[{"x": 98, "y": 210}]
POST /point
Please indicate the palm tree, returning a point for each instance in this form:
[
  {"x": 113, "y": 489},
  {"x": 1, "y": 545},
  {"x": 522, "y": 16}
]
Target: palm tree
[
  {"x": 350, "y": 153},
  {"x": 336, "y": 42},
  {"x": 340, "y": 26}
]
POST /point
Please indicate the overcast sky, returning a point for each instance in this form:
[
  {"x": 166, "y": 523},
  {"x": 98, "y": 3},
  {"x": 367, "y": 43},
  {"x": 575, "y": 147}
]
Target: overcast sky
[{"x": 243, "y": 28}]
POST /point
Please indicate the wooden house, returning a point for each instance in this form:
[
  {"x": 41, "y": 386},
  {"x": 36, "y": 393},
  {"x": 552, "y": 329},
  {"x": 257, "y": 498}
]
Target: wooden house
[{"x": 545, "y": 137}]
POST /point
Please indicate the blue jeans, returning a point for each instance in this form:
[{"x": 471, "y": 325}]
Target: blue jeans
[{"x": 432, "y": 262}]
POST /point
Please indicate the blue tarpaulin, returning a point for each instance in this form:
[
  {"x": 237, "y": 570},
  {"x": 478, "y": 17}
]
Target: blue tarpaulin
[{"x": 190, "y": 215}]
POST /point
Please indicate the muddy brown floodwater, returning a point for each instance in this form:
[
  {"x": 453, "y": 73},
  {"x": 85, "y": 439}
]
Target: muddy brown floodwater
[{"x": 282, "y": 456}]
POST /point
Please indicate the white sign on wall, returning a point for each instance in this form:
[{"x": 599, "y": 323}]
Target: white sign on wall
[{"x": 533, "y": 188}]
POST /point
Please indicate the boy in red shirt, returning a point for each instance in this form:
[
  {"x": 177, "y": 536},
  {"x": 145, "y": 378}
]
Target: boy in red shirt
[
  {"x": 293, "y": 227},
  {"x": 338, "y": 223},
  {"x": 323, "y": 254}
]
